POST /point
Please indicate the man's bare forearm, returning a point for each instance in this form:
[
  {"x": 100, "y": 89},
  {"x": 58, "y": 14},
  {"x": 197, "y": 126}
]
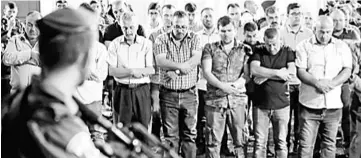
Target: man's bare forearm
[
  {"x": 145, "y": 71},
  {"x": 120, "y": 72},
  {"x": 342, "y": 77},
  {"x": 259, "y": 71},
  {"x": 307, "y": 78}
]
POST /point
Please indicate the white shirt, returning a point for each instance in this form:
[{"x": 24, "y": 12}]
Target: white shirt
[
  {"x": 322, "y": 62},
  {"x": 137, "y": 55},
  {"x": 206, "y": 37},
  {"x": 91, "y": 90},
  {"x": 18, "y": 55}
]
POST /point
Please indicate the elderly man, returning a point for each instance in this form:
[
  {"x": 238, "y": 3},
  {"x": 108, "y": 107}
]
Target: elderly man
[
  {"x": 178, "y": 55},
  {"x": 131, "y": 63},
  {"x": 119, "y": 7},
  {"x": 22, "y": 54},
  {"x": 323, "y": 64},
  {"x": 47, "y": 124},
  {"x": 225, "y": 99}
]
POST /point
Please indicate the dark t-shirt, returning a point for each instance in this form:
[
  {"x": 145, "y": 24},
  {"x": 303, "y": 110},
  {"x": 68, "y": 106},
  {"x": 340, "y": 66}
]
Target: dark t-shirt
[
  {"x": 348, "y": 34},
  {"x": 114, "y": 30},
  {"x": 272, "y": 94}
]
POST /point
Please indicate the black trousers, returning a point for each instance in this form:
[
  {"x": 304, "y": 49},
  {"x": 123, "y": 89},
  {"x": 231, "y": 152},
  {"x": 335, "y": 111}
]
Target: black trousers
[{"x": 132, "y": 104}]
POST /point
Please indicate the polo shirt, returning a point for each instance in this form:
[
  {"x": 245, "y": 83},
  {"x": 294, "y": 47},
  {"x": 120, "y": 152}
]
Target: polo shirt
[
  {"x": 272, "y": 94},
  {"x": 348, "y": 34}
]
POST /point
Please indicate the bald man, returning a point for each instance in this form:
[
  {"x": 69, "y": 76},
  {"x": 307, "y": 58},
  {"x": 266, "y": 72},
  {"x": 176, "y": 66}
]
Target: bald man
[
  {"x": 22, "y": 54},
  {"x": 323, "y": 64},
  {"x": 340, "y": 31}
]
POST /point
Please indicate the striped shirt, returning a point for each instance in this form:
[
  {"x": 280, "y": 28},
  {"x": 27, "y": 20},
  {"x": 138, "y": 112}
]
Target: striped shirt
[{"x": 165, "y": 44}]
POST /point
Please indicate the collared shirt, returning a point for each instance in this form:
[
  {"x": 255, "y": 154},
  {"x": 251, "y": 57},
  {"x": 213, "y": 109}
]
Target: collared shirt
[
  {"x": 114, "y": 30},
  {"x": 291, "y": 39},
  {"x": 165, "y": 44},
  {"x": 153, "y": 36},
  {"x": 150, "y": 29},
  {"x": 137, "y": 55},
  {"x": 18, "y": 55},
  {"x": 348, "y": 34},
  {"x": 226, "y": 67},
  {"x": 240, "y": 32},
  {"x": 205, "y": 38},
  {"x": 322, "y": 62},
  {"x": 91, "y": 91},
  {"x": 196, "y": 27}
]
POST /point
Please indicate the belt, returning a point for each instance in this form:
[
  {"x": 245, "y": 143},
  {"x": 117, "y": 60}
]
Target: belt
[
  {"x": 132, "y": 85},
  {"x": 178, "y": 90}
]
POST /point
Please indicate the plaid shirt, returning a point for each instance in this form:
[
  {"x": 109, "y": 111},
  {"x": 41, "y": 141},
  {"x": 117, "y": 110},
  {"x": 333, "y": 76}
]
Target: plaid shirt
[
  {"x": 165, "y": 44},
  {"x": 226, "y": 67}
]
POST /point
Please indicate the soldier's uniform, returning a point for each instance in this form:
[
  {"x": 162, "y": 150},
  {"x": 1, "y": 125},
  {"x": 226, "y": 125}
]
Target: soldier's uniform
[{"x": 40, "y": 121}]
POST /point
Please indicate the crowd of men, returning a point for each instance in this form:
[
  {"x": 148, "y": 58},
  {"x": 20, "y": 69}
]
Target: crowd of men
[{"x": 194, "y": 84}]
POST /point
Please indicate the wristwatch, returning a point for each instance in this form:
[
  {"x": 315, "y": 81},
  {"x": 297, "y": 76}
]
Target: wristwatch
[{"x": 177, "y": 72}]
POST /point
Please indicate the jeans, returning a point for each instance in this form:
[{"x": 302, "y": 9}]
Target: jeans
[
  {"x": 179, "y": 116},
  {"x": 261, "y": 120},
  {"x": 322, "y": 121},
  {"x": 217, "y": 119},
  {"x": 355, "y": 144},
  {"x": 294, "y": 104},
  {"x": 279, "y": 119},
  {"x": 346, "y": 96}
]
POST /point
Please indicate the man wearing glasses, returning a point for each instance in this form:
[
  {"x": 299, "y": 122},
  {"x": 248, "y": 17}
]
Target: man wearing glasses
[
  {"x": 60, "y": 4},
  {"x": 293, "y": 33},
  {"x": 178, "y": 54}
]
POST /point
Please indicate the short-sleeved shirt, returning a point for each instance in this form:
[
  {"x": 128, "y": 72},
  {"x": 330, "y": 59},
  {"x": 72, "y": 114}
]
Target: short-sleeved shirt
[
  {"x": 322, "y": 62},
  {"x": 226, "y": 67},
  {"x": 137, "y": 55},
  {"x": 114, "y": 30},
  {"x": 272, "y": 94},
  {"x": 206, "y": 38},
  {"x": 165, "y": 44}
]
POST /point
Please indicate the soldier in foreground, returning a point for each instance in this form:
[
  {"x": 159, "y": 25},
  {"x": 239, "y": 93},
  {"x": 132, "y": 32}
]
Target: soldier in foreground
[{"x": 42, "y": 120}]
